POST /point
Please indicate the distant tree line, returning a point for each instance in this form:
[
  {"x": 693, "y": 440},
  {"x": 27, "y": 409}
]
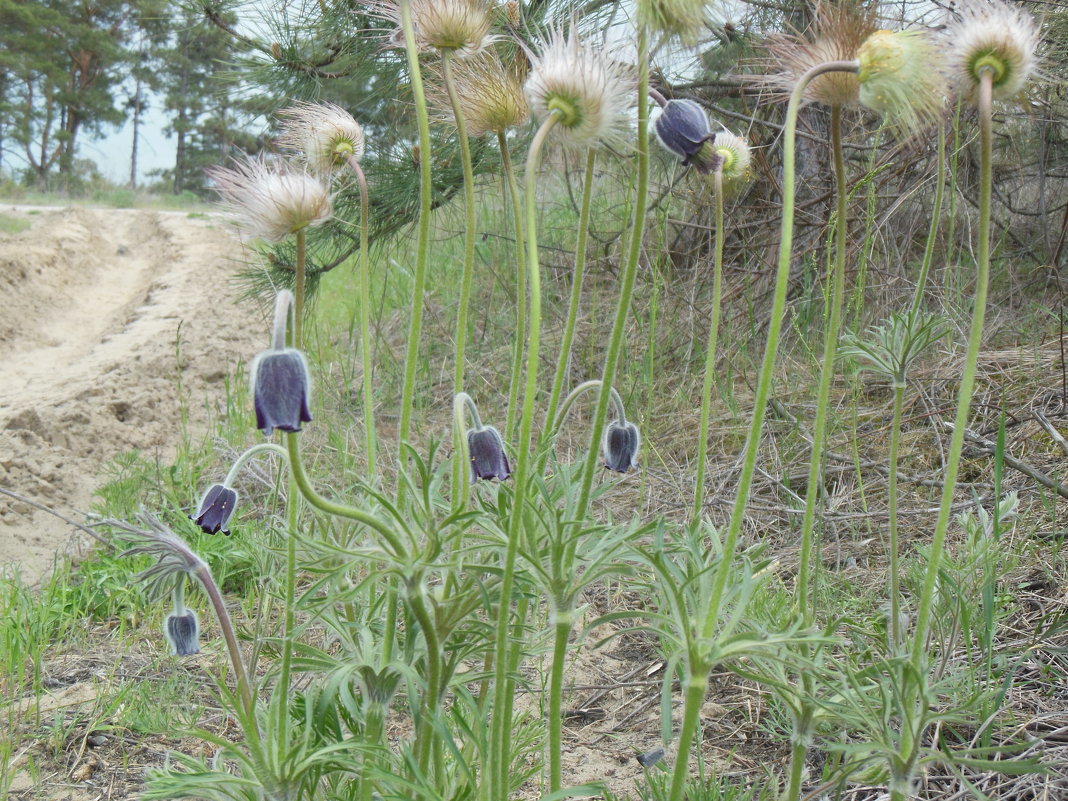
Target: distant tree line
[{"x": 75, "y": 68}]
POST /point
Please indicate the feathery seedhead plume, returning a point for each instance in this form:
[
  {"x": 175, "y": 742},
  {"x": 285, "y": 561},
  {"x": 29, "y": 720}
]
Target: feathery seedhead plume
[
  {"x": 736, "y": 155},
  {"x": 215, "y": 509},
  {"x": 837, "y": 32},
  {"x": 271, "y": 200},
  {"x": 589, "y": 91},
  {"x": 990, "y": 34},
  {"x": 324, "y": 133},
  {"x": 490, "y": 94},
  {"x": 901, "y": 77},
  {"x": 458, "y": 26},
  {"x": 682, "y": 18}
]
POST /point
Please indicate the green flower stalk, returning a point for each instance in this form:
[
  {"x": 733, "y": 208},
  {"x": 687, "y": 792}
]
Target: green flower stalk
[
  {"x": 459, "y": 474},
  {"x": 411, "y": 357},
  {"x": 564, "y": 360},
  {"x": 992, "y": 55},
  {"x": 733, "y": 157}
]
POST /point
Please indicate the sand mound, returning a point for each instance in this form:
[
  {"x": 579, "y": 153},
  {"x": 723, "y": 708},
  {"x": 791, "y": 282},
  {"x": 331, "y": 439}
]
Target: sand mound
[{"x": 102, "y": 309}]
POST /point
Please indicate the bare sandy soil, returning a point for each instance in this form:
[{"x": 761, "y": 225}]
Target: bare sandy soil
[{"x": 95, "y": 305}]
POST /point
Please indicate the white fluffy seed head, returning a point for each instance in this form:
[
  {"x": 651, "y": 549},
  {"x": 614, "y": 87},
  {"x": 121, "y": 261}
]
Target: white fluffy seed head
[
  {"x": 736, "y": 155},
  {"x": 325, "y": 134},
  {"x": 901, "y": 77},
  {"x": 590, "y": 92},
  {"x": 490, "y": 95},
  {"x": 461, "y": 27},
  {"x": 682, "y": 18},
  {"x": 837, "y": 32},
  {"x": 271, "y": 200},
  {"x": 991, "y": 34}
]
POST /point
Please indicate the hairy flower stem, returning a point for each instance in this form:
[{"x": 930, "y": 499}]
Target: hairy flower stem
[
  {"x": 896, "y": 638},
  {"x": 967, "y": 381},
  {"x": 292, "y": 517},
  {"x": 298, "y": 292},
  {"x": 411, "y": 356},
  {"x": 461, "y": 475},
  {"x": 696, "y": 687},
  {"x": 501, "y": 727},
  {"x": 630, "y": 271},
  {"x": 562, "y": 633},
  {"x": 243, "y": 459},
  {"x": 432, "y": 698},
  {"x": 710, "y": 348},
  {"x": 564, "y": 361},
  {"x": 370, "y": 440},
  {"x": 936, "y": 218},
  {"x": 832, "y": 328},
  {"x": 520, "y": 284},
  {"x": 767, "y": 366},
  {"x": 226, "y": 626}
]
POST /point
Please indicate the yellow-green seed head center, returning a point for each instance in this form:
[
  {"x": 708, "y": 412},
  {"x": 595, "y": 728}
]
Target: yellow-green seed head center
[
  {"x": 567, "y": 109},
  {"x": 992, "y": 61},
  {"x": 728, "y": 157}
]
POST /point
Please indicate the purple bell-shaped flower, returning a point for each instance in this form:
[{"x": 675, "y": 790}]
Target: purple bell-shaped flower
[
  {"x": 488, "y": 459},
  {"x": 182, "y": 632},
  {"x": 621, "y": 445},
  {"x": 215, "y": 509},
  {"x": 683, "y": 129}
]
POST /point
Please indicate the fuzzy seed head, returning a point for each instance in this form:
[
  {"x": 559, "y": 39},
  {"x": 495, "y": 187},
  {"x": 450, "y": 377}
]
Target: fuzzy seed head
[
  {"x": 589, "y": 91},
  {"x": 682, "y": 18},
  {"x": 993, "y": 35},
  {"x": 736, "y": 155},
  {"x": 271, "y": 201},
  {"x": 324, "y": 133},
  {"x": 490, "y": 95},
  {"x": 459, "y": 26},
  {"x": 901, "y": 77},
  {"x": 838, "y": 30}
]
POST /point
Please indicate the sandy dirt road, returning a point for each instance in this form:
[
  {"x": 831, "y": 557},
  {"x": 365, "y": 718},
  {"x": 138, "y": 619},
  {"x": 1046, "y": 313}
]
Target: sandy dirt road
[{"x": 95, "y": 304}]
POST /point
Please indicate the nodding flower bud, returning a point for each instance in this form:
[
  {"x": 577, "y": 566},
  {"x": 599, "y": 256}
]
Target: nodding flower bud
[
  {"x": 182, "y": 632},
  {"x": 281, "y": 384},
  {"x": 215, "y": 509},
  {"x": 281, "y": 390},
  {"x": 684, "y": 130},
  {"x": 488, "y": 459},
  {"x": 621, "y": 445}
]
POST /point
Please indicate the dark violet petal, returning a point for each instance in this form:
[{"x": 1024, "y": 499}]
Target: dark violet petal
[
  {"x": 280, "y": 389},
  {"x": 488, "y": 459},
  {"x": 621, "y": 444},
  {"x": 215, "y": 509},
  {"x": 683, "y": 127},
  {"x": 182, "y": 633}
]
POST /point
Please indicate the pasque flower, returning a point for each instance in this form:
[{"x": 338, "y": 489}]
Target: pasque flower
[
  {"x": 621, "y": 445},
  {"x": 271, "y": 200},
  {"x": 901, "y": 77},
  {"x": 684, "y": 130},
  {"x": 736, "y": 155},
  {"x": 993, "y": 35},
  {"x": 488, "y": 459},
  {"x": 281, "y": 384},
  {"x": 215, "y": 509},
  {"x": 838, "y": 30},
  {"x": 324, "y": 133},
  {"x": 588, "y": 90},
  {"x": 490, "y": 95},
  {"x": 182, "y": 632},
  {"x": 458, "y": 26}
]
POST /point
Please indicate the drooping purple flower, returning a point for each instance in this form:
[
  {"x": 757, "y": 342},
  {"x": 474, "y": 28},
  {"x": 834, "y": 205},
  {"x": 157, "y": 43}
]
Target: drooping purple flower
[
  {"x": 683, "y": 129},
  {"x": 488, "y": 459},
  {"x": 281, "y": 390},
  {"x": 620, "y": 446},
  {"x": 182, "y": 632},
  {"x": 215, "y": 509}
]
